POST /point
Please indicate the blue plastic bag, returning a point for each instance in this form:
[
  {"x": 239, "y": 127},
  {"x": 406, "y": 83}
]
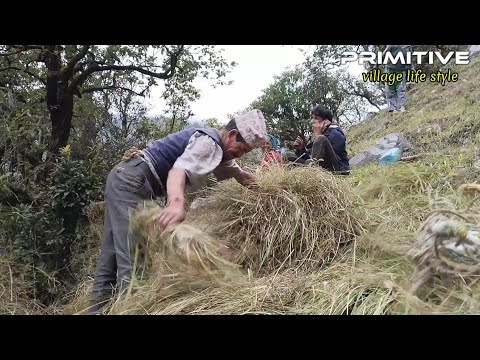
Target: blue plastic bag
[{"x": 392, "y": 156}]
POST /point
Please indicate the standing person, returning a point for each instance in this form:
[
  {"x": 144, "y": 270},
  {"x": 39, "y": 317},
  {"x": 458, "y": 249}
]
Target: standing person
[
  {"x": 396, "y": 93},
  {"x": 164, "y": 169}
]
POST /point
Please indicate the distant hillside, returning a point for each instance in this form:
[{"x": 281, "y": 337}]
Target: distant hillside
[{"x": 439, "y": 118}]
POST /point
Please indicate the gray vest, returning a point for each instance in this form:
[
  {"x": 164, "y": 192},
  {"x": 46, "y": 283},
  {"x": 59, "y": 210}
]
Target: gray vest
[{"x": 164, "y": 152}]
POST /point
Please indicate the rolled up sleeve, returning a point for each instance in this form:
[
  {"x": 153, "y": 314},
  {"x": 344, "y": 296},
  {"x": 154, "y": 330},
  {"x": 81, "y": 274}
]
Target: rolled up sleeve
[{"x": 201, "y": 157}]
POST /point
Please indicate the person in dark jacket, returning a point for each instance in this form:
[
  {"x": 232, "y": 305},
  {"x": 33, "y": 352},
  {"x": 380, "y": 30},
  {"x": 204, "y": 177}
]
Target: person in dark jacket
[
  {"x": 328, "y": 146},
  {"x": 163, "y": 170}
]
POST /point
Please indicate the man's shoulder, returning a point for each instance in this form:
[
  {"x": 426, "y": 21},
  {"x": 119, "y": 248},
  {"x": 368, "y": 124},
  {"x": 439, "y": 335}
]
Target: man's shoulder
[
  {"x": 335, "y": 129},
  {"x": 210, "y": 132}
]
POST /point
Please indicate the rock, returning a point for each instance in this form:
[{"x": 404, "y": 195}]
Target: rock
[
  {"x": 363, "y": 159},
  {"x": 373, "y": 153}
]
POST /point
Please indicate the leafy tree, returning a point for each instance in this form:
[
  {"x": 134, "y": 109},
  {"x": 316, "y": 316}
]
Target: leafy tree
[
  {"x": 66, "y": 71},
  {"x": 287, "y": 103},
  {"x": 214, "y": 123}
]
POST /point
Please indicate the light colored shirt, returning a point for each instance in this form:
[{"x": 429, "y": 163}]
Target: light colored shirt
[{"x": 203, "y": 156}]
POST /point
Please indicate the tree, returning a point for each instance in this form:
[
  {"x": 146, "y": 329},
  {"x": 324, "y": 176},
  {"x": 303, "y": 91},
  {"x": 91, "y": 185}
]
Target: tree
[
  {"x": 213, "y": 123},
  {"x": 285, "y": 106},
  {"x": 320, "y": 79},
  {"x": 66, "y": 71}
]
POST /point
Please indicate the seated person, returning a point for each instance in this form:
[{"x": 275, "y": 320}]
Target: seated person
[
  {"x": 328, "y": 145},
  {"x": 270, "y": 149}
]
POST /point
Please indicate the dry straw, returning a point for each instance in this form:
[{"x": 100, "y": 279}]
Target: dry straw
[
  {"x": 294, "y": 220},
  {"x": 300, "y": 218}
]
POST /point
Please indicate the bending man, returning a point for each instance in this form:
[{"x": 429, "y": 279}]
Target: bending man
[{"x": 164, "y": 169}]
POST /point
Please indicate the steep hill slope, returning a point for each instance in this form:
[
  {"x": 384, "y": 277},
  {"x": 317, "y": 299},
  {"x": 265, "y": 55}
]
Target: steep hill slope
[
  {"x": 439, "y": 118},
  {"x": 379, "y": 274}
]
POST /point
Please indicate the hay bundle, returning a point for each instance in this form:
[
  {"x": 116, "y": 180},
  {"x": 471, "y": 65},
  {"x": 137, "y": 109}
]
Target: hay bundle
[
  {"x": 185, "y": 255},
  {"x": 298, "y": 217},
  {"x": 259, "y": 296}
]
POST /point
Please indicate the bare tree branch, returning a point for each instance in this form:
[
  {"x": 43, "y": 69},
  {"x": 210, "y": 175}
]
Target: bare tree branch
[
  {"x": 165, "y": 75},
  {"x": 25, "y": 71},
  {"x": 112, "y": 87},
  {"x": 68, "y": 70},
  {"x": 365, "y": 96},
  {"x": 79, "y": 66},
  {"x": 95, "y": 67},
  {"x": 80, "y": 79}
]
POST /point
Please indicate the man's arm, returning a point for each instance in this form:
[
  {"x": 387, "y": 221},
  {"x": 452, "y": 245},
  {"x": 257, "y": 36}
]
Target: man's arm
[
  {"x": 200, "y": 157},
  {"x": 301, "y": 148},
  {"x": 175, "y": 210},
  {"x": 230, "y": 169}
]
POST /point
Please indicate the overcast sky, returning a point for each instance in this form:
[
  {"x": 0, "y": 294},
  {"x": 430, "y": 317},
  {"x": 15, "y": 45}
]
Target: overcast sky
[{"x": 256, "y": 67}]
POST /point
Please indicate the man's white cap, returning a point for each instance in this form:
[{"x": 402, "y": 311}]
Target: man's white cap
[{"x": 253, "y": 128}]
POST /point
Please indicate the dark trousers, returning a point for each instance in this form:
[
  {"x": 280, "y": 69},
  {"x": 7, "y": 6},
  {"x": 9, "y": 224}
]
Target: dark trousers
[
  {"x": 322, "y": 152},
  {"x": 127, "y": 187}
]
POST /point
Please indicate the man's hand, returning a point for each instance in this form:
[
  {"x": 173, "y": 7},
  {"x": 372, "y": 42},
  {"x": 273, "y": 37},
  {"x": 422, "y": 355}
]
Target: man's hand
[
  {"x": 173, "y": 214},
  {"x": 246, "y": 179},
  {"x": 175, "y": 210},
  {"x": 319, "y": 128},
  {"x": 298, "y": 143}
]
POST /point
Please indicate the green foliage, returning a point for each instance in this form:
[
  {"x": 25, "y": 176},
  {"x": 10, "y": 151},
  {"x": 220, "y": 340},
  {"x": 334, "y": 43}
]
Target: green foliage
[
  {"x": 75, "y": 183},
  {"x": 5, "y": 191},
  {"x": 287, "y": 103},
  {"x": 43, "y": 198},
  {"x": 34, "y": 236},
  {"x": 129, "y": 70},
  {"x": 39, "y": 234},
  {"x": 153, "y": 129},
  {"x": 214, "y": 123}
]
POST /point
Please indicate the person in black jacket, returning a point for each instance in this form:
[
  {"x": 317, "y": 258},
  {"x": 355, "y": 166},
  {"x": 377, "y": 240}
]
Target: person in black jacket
[{"x": 328, "y": 146}]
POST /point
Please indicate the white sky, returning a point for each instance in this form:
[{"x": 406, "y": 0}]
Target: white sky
[{"x": 256, "y": 67}]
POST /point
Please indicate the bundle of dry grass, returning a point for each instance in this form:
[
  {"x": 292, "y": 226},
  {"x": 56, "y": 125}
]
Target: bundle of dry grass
[
  {"x": 349, "y": 286},
  {"x": 185, "y": 252},
  {"x": 296, "y": 217},
  {"x": 372, "y": 277}
]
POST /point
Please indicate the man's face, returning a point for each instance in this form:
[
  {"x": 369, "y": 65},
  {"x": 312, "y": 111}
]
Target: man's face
[
  {"x": 319, "y": 125},
  {"x": 233, "y": 149}
]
